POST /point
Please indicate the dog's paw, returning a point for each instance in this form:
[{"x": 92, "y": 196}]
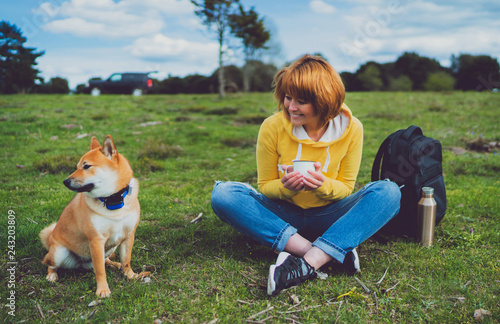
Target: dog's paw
[
  {"x": 143, "y": 274},
  {"x": 132, "y": 275},
  {"x": 52, "y": 276},
  {"x": 112, "y": 264},
  {"x": 104, "y": 292}
]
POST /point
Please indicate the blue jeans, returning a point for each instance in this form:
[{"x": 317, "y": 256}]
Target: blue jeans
[{"x": 336, "y": 228}]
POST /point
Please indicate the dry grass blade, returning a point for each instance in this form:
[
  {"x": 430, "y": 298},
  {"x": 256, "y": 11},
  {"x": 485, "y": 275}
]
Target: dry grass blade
[
  {"x": 376, "y": 299},
  {"x": 337, "y": 316},
  {"x": 39, "y": 311},
  {"x": 410, "y": 286},
  {"x": 197, "y": 218},
  {"x": 300, "y": 310},
  {"x": 260, "y": 313},
  {"x": 397, "y": 283},
  {"x": 363, "y": 285},
  {"x": 244, "y": 302},
  {"x": 382, "y": 279}
]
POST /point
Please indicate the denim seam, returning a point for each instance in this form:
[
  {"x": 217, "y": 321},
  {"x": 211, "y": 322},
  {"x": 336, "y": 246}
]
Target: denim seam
[
  {"x": 279, "y": 237},
  {"x": 332, "y": 245}
]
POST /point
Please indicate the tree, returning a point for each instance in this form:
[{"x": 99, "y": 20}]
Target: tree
[
  {"x": 262, "y": 76},
  {"x": 478, "y": 73},
  {"x": 417, "y": 68},
  {"x": 247, "y": 26},
  {"x": 80, "y": 88},
  {"x": 55, "y": 85},
  {"x": 196, "y": 83},
  {"x": 369, "y": 75},
  {"x": 274, "y": 48},
  {"x": 216, "y": 15},
  {"x": 233, "y": 77},
  {"x": 400, "y": 83},
  {"x": 350, "y": 80},
  {"x": 439, "y": 81},
  {"x": 16, "y": 61},
  {"x": 171, "y": 85}
]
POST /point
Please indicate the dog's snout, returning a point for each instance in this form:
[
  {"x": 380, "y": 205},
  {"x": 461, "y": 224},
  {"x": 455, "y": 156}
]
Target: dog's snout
[
  {"x": 77, "y": 186},
  {"x": 67, "y": 183}
]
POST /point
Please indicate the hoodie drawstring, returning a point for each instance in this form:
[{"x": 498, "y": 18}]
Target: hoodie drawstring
[
  {"x": 299, "y": 152},
  {"x": 327, "y": 161}
]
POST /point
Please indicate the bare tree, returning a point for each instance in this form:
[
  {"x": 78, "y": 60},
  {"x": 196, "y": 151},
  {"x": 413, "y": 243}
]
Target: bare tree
[
  {"x": 247, "y": 26},
  {"x": 215, "y": 14}
]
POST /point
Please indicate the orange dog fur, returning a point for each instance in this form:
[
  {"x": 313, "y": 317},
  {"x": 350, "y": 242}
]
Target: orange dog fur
[{"x": 88, "y": 232}]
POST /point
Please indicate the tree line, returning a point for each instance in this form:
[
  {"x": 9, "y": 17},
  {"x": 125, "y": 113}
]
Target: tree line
[{"x": 410, "y": 72}]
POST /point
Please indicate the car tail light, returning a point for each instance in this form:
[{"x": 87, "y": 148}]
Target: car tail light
[{"x": 150, "y": 83}]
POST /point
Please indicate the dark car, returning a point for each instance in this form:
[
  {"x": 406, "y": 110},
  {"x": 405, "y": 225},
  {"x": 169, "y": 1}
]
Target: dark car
[{"x": 135, "y": 84}]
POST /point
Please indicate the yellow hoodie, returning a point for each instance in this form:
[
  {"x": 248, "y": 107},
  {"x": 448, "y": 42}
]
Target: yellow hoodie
[{"x": 338, "y": 151}]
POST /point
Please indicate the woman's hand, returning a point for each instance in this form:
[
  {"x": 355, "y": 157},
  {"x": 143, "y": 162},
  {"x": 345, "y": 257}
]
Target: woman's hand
[
  {"x": 316, "y": 178},
  {"x": 292, "y": 180},
  {"x": 295, "y": 181}
]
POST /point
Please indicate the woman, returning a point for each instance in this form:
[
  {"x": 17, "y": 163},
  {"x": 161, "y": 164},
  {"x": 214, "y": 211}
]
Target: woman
[{"x": 310, "y": 219}]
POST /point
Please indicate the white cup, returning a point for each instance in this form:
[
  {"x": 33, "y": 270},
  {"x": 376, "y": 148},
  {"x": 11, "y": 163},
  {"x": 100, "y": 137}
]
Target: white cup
[{"x": 303, "y": 166}]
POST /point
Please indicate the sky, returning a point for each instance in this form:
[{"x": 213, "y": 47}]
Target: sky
[{"x": 95, "y": 38}]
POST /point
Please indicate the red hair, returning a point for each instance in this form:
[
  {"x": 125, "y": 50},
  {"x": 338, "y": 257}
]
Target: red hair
[{"x": 313, "y": 80}]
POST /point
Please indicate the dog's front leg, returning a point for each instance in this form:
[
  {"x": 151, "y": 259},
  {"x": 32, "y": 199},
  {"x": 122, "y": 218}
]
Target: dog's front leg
[
  {"x": 126, "y": 257},
  {"x": 97, "y": 253}
]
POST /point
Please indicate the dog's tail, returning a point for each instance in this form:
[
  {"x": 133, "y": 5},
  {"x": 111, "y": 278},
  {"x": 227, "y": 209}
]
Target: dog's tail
[{"x": 45, "y": 234}]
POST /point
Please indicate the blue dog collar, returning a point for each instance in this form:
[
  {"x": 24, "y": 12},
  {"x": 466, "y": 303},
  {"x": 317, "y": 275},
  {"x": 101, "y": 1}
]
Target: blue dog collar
[{"x": 116, "y": 201}]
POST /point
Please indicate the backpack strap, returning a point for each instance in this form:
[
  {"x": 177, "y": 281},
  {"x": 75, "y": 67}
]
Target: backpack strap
[
  {"x": 378, "y": 159},
  {"x": 385, "y": 147}
]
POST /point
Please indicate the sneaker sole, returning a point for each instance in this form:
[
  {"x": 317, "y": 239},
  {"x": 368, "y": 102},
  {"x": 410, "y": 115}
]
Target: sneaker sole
[
  {"x": 357, "y": 267},
  {"x": 271, "y": 283}
]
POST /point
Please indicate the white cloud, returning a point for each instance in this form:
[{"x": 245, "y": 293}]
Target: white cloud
[
  {"x": 85, "y": 28},
  {"x": 321, "y": 7},
  {"x": 169, "y": 7},
  {"x": 141, "y": 31},
  {"x": 109, "y": 19},
  {"x": 161, "y": 47}
]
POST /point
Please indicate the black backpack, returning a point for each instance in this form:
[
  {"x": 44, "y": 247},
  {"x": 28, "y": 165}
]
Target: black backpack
[{"x": 413, "y": 161}]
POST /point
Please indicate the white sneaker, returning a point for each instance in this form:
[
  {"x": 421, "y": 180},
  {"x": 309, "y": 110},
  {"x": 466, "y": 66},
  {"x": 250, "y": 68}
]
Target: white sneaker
[
  {"x": 351, "y": 262},
  {"x": 287, "y": 272},
  {"x": 281, "y": 258}
]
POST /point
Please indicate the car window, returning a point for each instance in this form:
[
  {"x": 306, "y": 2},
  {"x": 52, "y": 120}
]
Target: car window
[{"x": 115, "y": 77}]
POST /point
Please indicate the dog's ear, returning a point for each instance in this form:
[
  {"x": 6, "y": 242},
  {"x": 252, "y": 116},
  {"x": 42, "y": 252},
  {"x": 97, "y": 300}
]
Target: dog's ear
[
  {"x": 108, "y": 147},
  {"x": 94, "y": 143}
]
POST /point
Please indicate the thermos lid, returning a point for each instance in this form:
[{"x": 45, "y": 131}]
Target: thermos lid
[{"x": 428, "y": 190}]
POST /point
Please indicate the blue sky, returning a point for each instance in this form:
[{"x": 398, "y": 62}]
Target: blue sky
[{"x": 94, "y": 38}]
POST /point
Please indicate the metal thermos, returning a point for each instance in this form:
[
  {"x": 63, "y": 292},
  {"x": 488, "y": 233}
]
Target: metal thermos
[{"x": 426, "y": 216}]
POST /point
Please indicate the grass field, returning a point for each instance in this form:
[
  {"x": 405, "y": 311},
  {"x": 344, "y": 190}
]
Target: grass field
[{"x": 205, "y": 271}]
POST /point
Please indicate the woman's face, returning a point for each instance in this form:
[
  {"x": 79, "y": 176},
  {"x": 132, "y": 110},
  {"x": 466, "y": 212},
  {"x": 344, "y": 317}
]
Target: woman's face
[{"x": 301, "y": 113}]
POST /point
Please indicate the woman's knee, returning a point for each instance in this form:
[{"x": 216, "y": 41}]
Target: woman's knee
[
  {"x": 386, "y": 191},
  {"x": 227, "y": 190},
  {"x": 225, "y": 194}
]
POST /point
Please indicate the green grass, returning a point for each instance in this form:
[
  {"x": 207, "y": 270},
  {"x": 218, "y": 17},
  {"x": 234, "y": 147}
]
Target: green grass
[{"x": 178, "y": 146}]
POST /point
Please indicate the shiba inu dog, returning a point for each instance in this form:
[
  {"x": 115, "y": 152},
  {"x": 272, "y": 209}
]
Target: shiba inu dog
[{"x": 101, "y": 217}]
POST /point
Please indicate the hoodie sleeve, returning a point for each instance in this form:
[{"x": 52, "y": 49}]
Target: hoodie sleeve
[
  {"x": 269, "y": 180},
  {"x": 343, "y": 185}
]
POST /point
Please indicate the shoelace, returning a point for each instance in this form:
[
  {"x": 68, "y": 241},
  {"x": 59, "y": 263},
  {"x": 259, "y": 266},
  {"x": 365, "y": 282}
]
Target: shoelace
[{"x": 293, "y": 267}]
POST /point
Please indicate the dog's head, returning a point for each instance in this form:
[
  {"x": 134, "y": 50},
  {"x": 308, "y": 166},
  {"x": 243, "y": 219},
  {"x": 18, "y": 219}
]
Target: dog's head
[{"x": 101, "y": 172}]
